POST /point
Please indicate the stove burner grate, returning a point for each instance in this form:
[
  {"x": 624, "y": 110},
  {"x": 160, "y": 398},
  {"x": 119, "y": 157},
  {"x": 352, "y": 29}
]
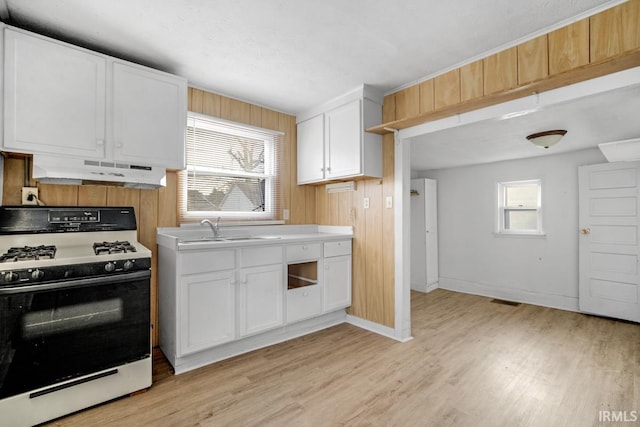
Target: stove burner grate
[
  {"x": 27, "y": 253},
  {"x": 101, "y": 248}
]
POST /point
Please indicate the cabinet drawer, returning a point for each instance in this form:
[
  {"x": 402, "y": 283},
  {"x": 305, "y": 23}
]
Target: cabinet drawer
[
  {"x": 342, "y": 247},
  {"x": 303, "y": 303},
  {"x": 201, "y": 262},
  {"x": 303, "y": 252},
  {"x": 255, "y": 256}
]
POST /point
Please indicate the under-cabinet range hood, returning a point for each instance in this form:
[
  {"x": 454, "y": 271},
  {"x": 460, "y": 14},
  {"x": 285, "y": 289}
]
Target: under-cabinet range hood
[{"x": 70, "y": 170}]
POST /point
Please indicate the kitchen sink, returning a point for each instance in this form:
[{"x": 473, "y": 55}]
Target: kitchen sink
[
  {"x": 205, "y": 239},
  {"x": 202, "y": 239}
]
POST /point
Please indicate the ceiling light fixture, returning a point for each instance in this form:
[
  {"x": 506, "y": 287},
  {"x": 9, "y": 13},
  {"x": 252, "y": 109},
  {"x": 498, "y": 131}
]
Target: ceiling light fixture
[{"x": 547, "y": 138}]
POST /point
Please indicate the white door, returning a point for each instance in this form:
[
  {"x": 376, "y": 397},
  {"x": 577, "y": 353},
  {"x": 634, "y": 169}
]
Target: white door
[
  {"x": 55, "y": 98},
  {"x": 424, "y": 235},
  {"x": 311, "y": 150},
  {"x": 343, "y": 141},
  {"x": 207, "y": 314},
  {"x": 149, "y": 117},
  {"x": 418, "y": 237},
  {"x": 431, "y": 230},
  {"x": 609, "y": 221},
  {"x": 261, "y": 298}
]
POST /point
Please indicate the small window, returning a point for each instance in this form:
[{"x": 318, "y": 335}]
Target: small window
[
  {"x": 519, "y": 207},
  {"x": 231, "y": 170}
]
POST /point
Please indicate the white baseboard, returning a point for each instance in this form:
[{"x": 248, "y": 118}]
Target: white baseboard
[
  {"x": 517, "y": 295},
  {"x": 432, "y": 287},
  {"x": 423, "y": 287},
  {"x": 375, "y": 327}
]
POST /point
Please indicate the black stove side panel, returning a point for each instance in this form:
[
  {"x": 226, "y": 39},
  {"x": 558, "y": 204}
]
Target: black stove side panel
[{"x": 62, "y": 219}]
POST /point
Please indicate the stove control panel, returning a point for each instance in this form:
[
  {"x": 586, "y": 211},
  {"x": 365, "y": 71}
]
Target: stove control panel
[{"x": 69, "y": 272}]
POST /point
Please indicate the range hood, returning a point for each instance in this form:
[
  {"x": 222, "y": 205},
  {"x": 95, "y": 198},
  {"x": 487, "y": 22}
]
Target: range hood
[{"x": 70, "y": 170}]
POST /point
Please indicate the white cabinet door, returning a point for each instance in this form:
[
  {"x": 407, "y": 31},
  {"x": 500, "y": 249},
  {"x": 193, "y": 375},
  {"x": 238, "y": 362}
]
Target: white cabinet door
[
  {"x": 54, "y": 98},
  {"x": 343, "y": 141},
  {"x": 207, "y": 314},
  {"x": 311, "y": 150},
  {"x": 260, "y": 298},
  {"x": 337, "y": 282},
  {"x": 149, "y": 117}
]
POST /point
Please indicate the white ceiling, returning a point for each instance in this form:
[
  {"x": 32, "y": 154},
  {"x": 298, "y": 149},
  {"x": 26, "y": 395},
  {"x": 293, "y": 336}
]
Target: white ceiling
[
  {"x": 290, "y": 55},
  {"x": 590, "y": 120}
]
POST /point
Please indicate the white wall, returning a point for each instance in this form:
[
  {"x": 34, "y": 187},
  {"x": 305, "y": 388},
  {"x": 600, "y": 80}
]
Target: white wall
[{"x": 473, "y": 259}]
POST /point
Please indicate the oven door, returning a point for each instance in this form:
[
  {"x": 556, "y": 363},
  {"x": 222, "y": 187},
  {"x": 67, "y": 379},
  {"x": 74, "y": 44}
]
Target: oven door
[{"x": 54, "y": 332}]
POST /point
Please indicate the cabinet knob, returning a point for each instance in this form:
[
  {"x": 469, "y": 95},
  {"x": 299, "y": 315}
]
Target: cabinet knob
[
  {"x": 304, "y": 247},
  {"x": 100, "y": 142}
]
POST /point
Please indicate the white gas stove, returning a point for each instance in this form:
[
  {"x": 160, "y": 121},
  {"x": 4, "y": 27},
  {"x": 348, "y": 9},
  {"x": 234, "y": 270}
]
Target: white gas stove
[{"x": 74, "y": 310}]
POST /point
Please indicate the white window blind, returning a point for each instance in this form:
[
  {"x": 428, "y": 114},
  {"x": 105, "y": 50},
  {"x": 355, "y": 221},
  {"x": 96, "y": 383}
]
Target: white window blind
[{"x": 232, "y": 170}]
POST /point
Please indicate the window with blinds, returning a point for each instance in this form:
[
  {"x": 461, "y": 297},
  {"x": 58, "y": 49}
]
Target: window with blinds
[{"x": 232, "y": 170}]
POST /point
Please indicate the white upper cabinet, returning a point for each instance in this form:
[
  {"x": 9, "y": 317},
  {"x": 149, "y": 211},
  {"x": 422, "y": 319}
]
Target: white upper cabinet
[
  {"x": 149, "y": 116},
  {"x": 342, "y": 146},
  {"x": 311, "y": 150},
  {"x": 55, "y": 98},
  {"x": 66, "y": 100},
  {"x": 332, "y": 142}
]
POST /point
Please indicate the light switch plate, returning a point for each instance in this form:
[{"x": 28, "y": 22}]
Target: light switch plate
[{"x": 388, "y": 202}]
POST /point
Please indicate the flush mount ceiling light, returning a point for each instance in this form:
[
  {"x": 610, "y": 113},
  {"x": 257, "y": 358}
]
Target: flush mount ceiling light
[{"x": 547, "y": 138}]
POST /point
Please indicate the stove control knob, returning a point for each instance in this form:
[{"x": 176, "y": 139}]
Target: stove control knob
[
  {"x": 110, "y": 267},
  {"x": 11, "y": 276},
  {"x": 37, "y": 274},
  {"x": 128, "y": 265}
]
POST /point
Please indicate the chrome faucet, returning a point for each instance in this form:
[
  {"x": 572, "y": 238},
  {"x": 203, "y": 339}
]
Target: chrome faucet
[{"x": 214, "y": 227}]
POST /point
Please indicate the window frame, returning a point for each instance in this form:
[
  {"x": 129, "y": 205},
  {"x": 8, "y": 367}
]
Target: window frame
[
  {"x": 502, "y": 209},
  {"x": 270, "y": 174}
]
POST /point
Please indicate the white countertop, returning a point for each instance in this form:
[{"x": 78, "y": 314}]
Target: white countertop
[{"x": 194, "y": 236}]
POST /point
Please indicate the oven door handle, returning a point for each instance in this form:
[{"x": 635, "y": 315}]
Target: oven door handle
[{"x": 90, "y": 281}]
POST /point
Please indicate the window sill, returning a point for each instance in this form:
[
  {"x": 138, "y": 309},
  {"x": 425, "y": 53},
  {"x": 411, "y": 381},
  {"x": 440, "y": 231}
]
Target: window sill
[{"x": 521, "y": 235}]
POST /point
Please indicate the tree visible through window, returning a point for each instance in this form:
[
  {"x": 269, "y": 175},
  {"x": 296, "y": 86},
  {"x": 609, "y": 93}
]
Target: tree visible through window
[{"x": 231, "y": 170}]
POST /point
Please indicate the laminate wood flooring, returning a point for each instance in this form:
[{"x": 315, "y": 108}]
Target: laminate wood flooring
[{"x": 471, "y": 363}]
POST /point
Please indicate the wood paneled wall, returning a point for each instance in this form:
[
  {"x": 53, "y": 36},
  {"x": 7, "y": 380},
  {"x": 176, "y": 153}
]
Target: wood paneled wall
[
  {"x": 601, "y": 44},
  {"x": 373, "y": 242},
  {"x": 159, "y": 208}
]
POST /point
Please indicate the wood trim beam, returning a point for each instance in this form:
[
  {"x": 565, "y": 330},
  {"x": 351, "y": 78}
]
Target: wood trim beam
[{"x": 586, "y": 72}]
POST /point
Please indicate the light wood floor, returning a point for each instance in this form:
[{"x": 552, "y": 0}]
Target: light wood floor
[{"x": 472, "y": 363}]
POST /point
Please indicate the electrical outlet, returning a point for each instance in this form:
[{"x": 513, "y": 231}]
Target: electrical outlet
[
  {"x": 388, "y": 202},
  {"x": 285, "y": 214},
  {"x": 366, "y": 203},
  {"x": 29, "y": 195}
]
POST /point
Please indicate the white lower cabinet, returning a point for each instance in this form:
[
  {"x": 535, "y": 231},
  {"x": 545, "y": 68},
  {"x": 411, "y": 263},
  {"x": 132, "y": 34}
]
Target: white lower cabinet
[
  {"x": 304, "y": 302},
  {"x": 337, "y": 275},
  {"x": 207, "y": 311},
  {"x": 215, "y": 303},
  {"x": 337, "y": 285},
  {"x": 260, "y": 298}
]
